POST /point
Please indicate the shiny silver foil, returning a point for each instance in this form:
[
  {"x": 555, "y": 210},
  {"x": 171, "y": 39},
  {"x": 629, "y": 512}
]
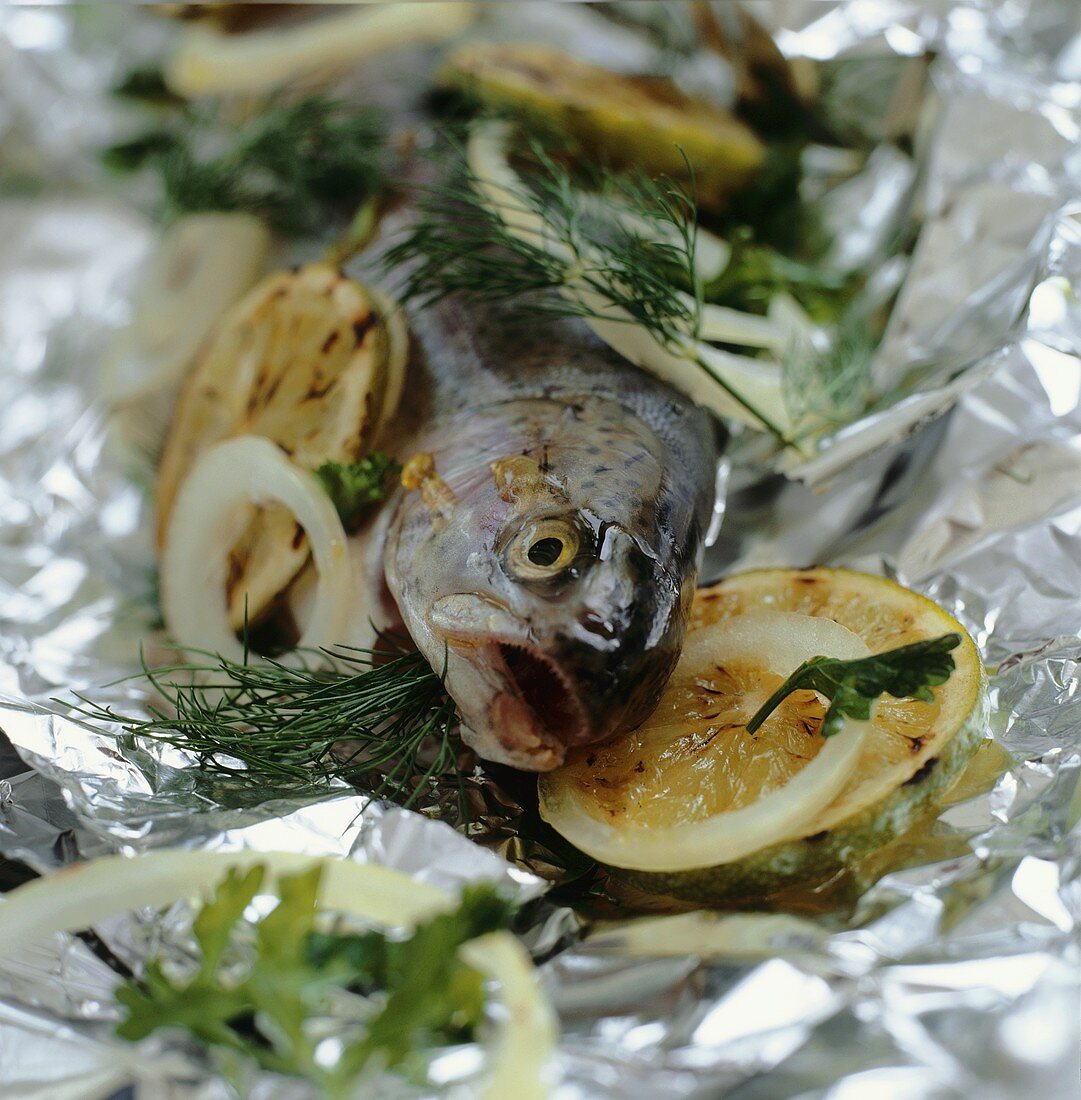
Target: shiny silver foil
[{"x": 956, "y": 975}]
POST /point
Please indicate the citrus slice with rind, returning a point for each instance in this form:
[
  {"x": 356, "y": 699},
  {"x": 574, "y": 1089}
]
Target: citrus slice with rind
[
  {"x": 301, "y": 361},
  {"x": 696, "y": 743},
  {"x": 85, "y": 894},
  {"x": 693, "y": 759}
]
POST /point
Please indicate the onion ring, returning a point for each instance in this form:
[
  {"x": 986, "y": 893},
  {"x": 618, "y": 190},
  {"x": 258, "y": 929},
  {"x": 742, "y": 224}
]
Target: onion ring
[{"x": 210, "y": 516}]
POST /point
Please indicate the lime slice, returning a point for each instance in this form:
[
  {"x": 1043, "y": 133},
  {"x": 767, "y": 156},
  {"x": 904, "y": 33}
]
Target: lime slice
[{"x": 693, "y": 767}]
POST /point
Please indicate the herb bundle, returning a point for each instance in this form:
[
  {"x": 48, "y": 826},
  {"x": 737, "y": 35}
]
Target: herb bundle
[
  {"x": 292, "y": 165},
  {"x": 637, "y": 257},
  {"x": 615, "y": 248},
  {"x": 379, "y": 718},
  {"x": 266, "y": 990}
]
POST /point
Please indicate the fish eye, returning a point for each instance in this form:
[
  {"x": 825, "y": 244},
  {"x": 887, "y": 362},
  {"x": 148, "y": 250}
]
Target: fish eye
[{"x": 544, "y": 549}]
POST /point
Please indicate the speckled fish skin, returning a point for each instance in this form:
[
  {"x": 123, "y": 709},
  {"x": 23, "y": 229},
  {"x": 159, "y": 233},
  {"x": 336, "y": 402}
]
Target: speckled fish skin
[{"x": 537, "y": 666}]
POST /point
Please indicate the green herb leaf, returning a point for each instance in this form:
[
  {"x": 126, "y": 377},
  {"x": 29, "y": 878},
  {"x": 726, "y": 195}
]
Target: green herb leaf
[
  {"x": 282, "y": 975},
  {"x": 147, "y": 85},
  {"x": 909, "y": 672},
  {"x": 431, "y": 992},
  {"x": 292, "y": 166},
  {"x": 216, "y": 920},
  {"x": 129, "y": 156},
  {"x": 827, "y": 387},
  {"x": 756, "y": 272},
  {"x": 199, "y": 1004},
  {"x": 355, "y": 486},
  {"x": 380, "y": 719}
]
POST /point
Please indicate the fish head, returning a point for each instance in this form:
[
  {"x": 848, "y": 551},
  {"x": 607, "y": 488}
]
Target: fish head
[{"x": 551, "y": 588}]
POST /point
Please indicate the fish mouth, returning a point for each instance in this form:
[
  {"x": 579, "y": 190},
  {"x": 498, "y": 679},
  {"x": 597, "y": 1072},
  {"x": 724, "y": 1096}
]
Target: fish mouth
[
  {"x": 536, "y": 681},
  {"x": 518, "y": 704},
  {"x": 534, "y": 714}
]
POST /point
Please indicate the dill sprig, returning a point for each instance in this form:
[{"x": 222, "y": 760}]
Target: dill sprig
[
  {"x": 293, "y": 165},
  {"x": 623, "y": 250},
  {"x": 634, "y": 251},
  {"x": 380, "y": 719},
  {"x": 829, "y": 387}
]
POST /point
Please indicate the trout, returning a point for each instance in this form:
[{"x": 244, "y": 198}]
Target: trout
[{"x": 545, "y": 549}]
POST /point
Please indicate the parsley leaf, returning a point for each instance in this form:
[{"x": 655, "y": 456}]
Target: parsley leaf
[
  {"x": 908, "y": 672},
  {"x": 354, "y": 486},
  {"x": 200, "y": 1005},
  {"x": 267, "y": 990},
  {"x": 432, "y": 995}
]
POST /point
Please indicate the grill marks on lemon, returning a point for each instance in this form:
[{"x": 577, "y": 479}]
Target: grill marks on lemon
[
  {"x": 302, "y": 361},
  {"x": 697, "y": 744},
  {"x": 693, "y": 759}
]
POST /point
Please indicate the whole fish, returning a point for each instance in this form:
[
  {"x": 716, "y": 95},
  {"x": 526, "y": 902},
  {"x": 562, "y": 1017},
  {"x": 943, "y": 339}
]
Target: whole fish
[{"x": 548, "y": 555}]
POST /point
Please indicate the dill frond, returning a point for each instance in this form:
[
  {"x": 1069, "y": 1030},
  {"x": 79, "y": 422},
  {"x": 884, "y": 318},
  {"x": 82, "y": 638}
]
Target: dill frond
[
  {"x": 827, "y": 388},
  {"x": 631, "y": 243},
  {"x": 379, "y": 719},
  {"x": 293, "y": 165},
  {"x": 622, "y": 251}
]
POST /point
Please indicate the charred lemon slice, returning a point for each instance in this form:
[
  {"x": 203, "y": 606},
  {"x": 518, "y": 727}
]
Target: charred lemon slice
[
  {"x": 634, "y": 121},
  {"x": 643, "y": 803},
  {"x": 302, "y": 361}
]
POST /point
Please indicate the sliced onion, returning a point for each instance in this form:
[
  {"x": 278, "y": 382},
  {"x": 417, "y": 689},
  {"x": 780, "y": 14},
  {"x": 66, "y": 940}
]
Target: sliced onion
[
  {"x": 780, "y": 642},
  {"x": 724, "y": 325},
  {"x": 530, "y": 1030},
  {"x": 397, "y": 355},
  {"x": 87, "y": 893},
  {"x": 364, "y": 620},
  {"x": 211, "y": 63},
  {"x": 203, "y": 264},
  {"x": 707, "y": 382},
  {"x": 209, "y": 517},
  {"x": 776, "y": 640}
]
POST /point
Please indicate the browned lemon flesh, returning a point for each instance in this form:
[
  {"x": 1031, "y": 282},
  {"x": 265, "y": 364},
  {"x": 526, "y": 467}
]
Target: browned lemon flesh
[
  {"x": 728, "y": 805},
  {"x": 696, "y": 745},
  {"x": 907, "y": 733},
  {"x": 301, "y": 360}
]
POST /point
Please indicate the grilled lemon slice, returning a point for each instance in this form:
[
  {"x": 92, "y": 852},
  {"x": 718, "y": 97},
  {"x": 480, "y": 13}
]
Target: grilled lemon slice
[
  {"x": 693, "y": 766},
  {"x": 633, "y": 121},
  {"x": 302, "y": 361}
]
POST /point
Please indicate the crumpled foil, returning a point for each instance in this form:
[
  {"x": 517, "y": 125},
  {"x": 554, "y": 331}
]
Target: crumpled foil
[{"x": 953, "y": 974}]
